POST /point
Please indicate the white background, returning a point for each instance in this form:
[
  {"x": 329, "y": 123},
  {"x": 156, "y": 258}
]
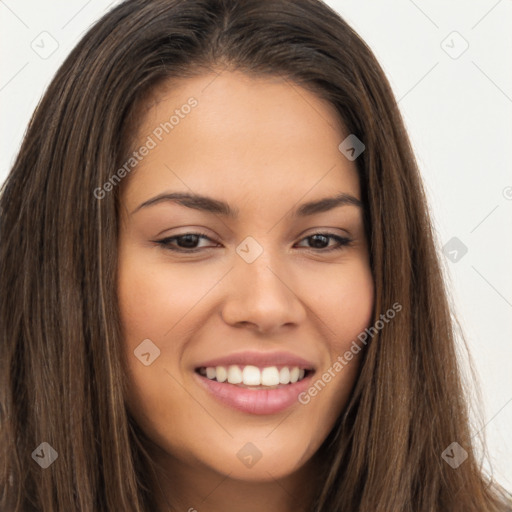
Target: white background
[{"x": 458, "y": 113}]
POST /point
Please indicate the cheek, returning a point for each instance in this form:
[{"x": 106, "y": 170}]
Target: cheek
[
  {"x": 347, "y": 309},
  {"x": 152, "y": 301},
  {"x": 154, "y": 298},
  {"x": 344, "y": 307},
  {"x": 354, "y": 305},
  {"x": 343, "y": 300},
  {"x": 156, "y": 302}
]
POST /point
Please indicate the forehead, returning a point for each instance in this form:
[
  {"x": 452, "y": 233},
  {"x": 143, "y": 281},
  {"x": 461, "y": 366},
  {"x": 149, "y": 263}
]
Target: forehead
[{"x": 244, "y": 136}]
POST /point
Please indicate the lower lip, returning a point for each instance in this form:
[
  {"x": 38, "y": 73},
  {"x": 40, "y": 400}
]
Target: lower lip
[{"x": 257, "y": 401}]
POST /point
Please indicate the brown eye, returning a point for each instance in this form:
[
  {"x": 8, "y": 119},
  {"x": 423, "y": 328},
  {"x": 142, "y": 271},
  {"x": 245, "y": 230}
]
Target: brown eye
[
  {"x": 187, "y": 242},
  {"x": 320, "y": 241}
]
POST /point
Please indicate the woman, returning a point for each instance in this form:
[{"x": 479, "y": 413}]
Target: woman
[{"x": 223, "y": 290}]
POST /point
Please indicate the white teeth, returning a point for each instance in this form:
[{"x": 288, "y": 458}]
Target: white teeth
[
  {"x": 284, "y": 375},
  {"x": 222, "y": 374},
  {"x": 253, "y": 376},
  {"x": 294, "y": 374},
  {"x": 234, "y": 375},
  {"x": 270, "y": 376}
]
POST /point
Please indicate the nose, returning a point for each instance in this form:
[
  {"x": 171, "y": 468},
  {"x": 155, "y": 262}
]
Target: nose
[{"x": 262, "y": 295}]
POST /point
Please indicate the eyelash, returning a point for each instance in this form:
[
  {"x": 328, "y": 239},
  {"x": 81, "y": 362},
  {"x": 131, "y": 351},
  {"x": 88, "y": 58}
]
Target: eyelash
[{"x": 165, "y": 242}]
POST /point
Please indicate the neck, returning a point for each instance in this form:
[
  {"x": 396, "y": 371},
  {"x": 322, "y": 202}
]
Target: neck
[{"x": 187, "y": 488}]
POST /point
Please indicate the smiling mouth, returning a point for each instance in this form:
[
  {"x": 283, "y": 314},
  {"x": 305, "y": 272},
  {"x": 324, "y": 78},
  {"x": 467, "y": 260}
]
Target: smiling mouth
[{"x": 254, "y": 377}]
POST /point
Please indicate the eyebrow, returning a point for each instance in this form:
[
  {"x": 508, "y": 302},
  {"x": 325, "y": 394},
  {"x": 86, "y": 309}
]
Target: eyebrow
[{"x": 216, "y": 206}]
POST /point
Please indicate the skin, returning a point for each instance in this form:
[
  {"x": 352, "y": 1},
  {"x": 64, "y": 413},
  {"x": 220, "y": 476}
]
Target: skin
[{"x": 265, "y": 146}]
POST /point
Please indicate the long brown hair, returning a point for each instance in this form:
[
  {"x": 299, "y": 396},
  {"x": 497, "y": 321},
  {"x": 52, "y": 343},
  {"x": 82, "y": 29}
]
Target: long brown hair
[{"x": 61, "y": 376}]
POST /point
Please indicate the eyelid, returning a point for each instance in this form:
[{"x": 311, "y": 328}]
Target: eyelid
[
  {"x": 343, "y": 233},
  {"x": 343, "y": 241},
  {"x": 203, "y": 236}
]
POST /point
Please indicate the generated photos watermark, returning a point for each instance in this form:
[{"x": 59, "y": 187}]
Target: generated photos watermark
[
  {"x": 151, "y": 142},
  {"x": 342, "y": 360}
]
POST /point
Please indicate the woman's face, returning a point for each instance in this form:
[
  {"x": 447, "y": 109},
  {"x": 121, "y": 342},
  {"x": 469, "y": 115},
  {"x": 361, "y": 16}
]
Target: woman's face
[{"x": 269, "y": 292}]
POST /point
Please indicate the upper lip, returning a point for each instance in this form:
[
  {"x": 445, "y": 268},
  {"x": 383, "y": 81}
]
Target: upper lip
[{"x": 260, "y": 359}]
